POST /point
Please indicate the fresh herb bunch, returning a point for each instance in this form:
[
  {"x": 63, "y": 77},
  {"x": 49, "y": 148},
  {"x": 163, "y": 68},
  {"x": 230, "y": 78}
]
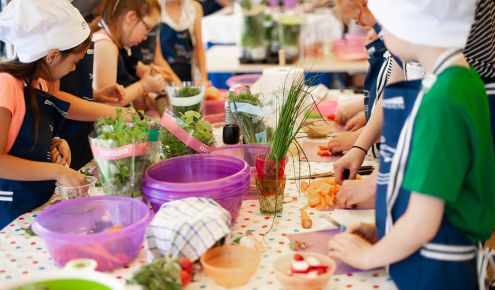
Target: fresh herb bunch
[
  {"x": 253, "y": 127},
  {"x": 192, "y": 123},
  {"x": 86, "y": 172},
  {"x": 122, "y": 176},
  {"x": 186, "y": 92},
  {"x": 161, "y": 274},
  {"x": 295, "y": 106}
]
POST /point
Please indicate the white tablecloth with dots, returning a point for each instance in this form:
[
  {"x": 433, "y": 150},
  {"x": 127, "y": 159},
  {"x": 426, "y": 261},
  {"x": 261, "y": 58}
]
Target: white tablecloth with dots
[{"x": 21, "y": 254}]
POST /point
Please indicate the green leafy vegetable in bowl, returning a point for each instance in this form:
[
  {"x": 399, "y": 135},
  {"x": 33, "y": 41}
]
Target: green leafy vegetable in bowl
[
  {"x": 126, "y": 142},
  {"x": 192, "y": 123}
]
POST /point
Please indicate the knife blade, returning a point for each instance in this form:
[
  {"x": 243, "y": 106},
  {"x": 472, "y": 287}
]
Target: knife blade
[{"x": 364, "y": 170}]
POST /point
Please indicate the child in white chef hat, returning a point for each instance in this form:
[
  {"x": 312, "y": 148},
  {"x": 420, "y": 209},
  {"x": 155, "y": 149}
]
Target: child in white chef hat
[
  {"x": 50, "y": 37},
  {"x": 435, "y": 197}
]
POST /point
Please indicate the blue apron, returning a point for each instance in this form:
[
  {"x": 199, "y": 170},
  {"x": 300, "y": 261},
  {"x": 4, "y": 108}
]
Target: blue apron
[
  {"x": 177, "y": 49},
  {"x": 145, "y": 51},
  {"x": 126, "y": 68},
  {"x": 449, "y": 260},
  {"x": 374, "y": 81},
  {"x": 80, "y": 84},
  {"x": 19, "y": 197}
]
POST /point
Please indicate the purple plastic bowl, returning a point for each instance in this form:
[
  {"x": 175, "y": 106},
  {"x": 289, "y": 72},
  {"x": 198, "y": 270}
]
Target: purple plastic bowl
[
  {"x": 108, "y": 229},
  {"x": 244, "y": 79},
  {"x": 220, "y": 177}
]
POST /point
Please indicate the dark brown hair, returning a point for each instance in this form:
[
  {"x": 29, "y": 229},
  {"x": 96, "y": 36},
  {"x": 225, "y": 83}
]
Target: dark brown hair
[
  {"x": 29, "y": 72},
  {"x": 114, "y": 10}
]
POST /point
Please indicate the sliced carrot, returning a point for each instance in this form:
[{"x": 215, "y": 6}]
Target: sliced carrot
[{"x": 304, "y": 186}]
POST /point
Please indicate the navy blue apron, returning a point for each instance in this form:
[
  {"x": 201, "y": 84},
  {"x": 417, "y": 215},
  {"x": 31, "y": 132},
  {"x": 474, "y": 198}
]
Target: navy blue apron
[
  {"x": 374, "y": 81},
  {"x": 126, "y": 68},
  {"x": 19, "y": 197},
  {"x": 145, "y": 51},
  {"x": 177, "y": 49},
  {"x": 80, "y": 84},
  {"x": 449, "y": 260}
]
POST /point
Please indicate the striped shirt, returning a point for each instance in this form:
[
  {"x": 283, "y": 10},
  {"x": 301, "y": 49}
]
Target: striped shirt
[{"x": 480, "y": 47}]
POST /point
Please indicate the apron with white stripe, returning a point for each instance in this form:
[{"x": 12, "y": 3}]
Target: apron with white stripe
[
  {"x": 19, "y": 197},
  {"x": 449, "y": 260}
]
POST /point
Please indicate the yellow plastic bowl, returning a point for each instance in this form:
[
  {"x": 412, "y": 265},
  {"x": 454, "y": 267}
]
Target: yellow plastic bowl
[
  {"x": 282, "y": 265},
  {"x": 230, "y": 266}
]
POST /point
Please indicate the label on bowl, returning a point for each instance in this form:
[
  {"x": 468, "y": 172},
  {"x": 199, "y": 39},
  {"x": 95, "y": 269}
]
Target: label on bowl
[
  {"x": 170, "y": 123},
  {"x": 116, "y": 153}
]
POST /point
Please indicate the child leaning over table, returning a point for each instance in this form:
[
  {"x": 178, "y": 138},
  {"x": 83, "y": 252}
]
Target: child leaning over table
[{"x": 435, "y": 197}]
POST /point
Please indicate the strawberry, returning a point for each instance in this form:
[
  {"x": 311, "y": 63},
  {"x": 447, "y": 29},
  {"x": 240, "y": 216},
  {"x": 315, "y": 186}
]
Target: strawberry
[
  {"x": 298, "y": 257},
  {"x": 331, "y": 117},
  {"x": 185, "y": 277},
  {"x": 186, "y": 264}
]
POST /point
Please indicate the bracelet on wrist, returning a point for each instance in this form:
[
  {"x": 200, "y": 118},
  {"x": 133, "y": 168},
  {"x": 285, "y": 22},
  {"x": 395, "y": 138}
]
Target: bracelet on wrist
[{"x": 360, "y": 148}]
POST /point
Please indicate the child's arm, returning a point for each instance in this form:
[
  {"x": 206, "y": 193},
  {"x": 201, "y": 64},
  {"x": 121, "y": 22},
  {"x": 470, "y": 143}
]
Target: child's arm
[
  {"x": 105, "y": 72},
  {"x": 25, "y": 170},
  {"x": 198, "y": 48},
  {"x": 83, "y": 110},
  {"x": 416, "y": 227}
]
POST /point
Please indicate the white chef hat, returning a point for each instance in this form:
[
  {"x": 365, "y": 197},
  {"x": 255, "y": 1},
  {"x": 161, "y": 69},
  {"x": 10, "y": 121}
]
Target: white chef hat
[
  {"x": 438, "y": 23},
  {"x": 35, "y": 27}
]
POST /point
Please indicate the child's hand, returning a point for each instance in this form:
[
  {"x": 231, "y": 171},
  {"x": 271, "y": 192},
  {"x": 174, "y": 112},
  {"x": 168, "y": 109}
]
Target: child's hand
[
  {"x": 113, "y": 94},
  {"x": 342, "y": 142},
  {"x": 364, "y": 230},
  {"x": 352, "y": 160},
  {"x": 356, "y": 122},
  {"x": 60, "y": 152},
  {"x": 70, "y": 177},
  {"x": 347, "y": 111},
  {"x": 153, "y": 82},
  {"x": 353, "y": 192},
  {"x": 351, "y": 249}
]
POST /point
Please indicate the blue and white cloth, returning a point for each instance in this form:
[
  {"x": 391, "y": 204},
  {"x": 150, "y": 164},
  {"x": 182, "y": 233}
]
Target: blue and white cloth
[{"x": 187, "y": 227}]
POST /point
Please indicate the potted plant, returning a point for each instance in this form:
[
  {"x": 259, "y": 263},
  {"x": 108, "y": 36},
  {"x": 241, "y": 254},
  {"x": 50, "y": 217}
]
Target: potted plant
[
  {"x": 247, "y": 110},
  {"x": 252, "y": 34},
  {"x": 289, "y": 31},
  {"x": 120, "y": 150},
  {"x": 188, "y": 97},
  {"x": 270, "y": 168},
  {"x": 193, "y": 125}
]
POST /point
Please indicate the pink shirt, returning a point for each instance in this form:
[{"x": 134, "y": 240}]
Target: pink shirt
[{"x": 12, "y": 99}]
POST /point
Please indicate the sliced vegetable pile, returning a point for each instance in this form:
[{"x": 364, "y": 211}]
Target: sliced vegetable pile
[
  {"x": 321, "y": 192},
  {"x": 309, "y": 267}
]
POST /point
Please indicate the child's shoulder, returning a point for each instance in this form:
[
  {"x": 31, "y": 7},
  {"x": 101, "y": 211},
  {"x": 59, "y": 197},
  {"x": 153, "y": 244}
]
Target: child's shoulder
[
  {"x": 457, "y": 84},
  {"x": 197, "y": 7},
  {"x": 10, "y": 82}
]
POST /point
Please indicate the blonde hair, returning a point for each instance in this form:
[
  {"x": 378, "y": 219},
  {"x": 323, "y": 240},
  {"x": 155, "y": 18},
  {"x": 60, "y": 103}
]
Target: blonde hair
[
  {"x": 113, "y": 12},
  {"x": 342, "y": 8}
]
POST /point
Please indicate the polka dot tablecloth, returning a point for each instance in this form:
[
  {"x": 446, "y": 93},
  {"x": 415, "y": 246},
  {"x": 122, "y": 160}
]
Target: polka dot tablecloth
[{"x": 21, "y": 254}]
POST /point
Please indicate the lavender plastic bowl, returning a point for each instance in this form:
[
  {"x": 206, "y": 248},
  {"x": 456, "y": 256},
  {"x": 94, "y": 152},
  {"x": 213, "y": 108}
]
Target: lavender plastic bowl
[
  {"x": 220, "y": 177},
  {"x": 82, "y": 228}
]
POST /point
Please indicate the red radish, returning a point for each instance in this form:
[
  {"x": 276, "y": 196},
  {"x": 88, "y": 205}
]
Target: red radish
[
  {"x": 313, "y": 262},
  {"x": 185, "y": 277},
  {"x": 323, "y": 147},
  {"x": 186, "y": 265},
  {"x": 300, "y": 267},
  {"x": 298, "y": 257},
  {"x": 331, "y": 116}
]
